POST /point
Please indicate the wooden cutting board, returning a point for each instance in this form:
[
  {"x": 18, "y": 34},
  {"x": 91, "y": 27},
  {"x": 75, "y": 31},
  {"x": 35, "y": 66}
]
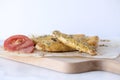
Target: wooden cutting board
[
  {"x": 69, "y": 65},
  {"x": 108, "y": 60}
]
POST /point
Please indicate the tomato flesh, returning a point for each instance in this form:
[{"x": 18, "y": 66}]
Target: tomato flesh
[{"x": 19, "y": 43}]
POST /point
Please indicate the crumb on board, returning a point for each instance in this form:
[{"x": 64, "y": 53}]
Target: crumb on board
[
  {"x": 103, "y": 45},
  {"x": 104, "y": 40}
]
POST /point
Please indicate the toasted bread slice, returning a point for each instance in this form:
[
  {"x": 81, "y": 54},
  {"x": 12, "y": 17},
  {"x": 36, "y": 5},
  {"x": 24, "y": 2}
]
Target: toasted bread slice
[
  {"x": 51, "y": 44},
  {"x": 78, "y": 43}
]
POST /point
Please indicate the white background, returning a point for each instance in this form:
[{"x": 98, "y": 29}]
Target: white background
[{"x": 91, "y": 17}]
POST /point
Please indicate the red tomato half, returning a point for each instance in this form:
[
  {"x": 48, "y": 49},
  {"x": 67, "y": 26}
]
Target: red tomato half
[{"x": 19, "y": 43}]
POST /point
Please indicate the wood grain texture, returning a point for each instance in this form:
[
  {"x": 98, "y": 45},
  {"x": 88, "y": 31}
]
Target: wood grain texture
[{"x": 69, "y": 65}]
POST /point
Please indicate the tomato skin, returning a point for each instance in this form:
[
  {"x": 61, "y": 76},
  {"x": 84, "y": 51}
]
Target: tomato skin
[{"x": 19, "y": 43}]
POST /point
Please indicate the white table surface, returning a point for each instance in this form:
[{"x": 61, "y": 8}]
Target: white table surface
[{"x": 11, "y": 70}]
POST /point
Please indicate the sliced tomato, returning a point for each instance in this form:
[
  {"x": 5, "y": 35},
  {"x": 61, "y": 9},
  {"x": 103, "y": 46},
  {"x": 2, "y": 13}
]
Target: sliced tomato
[{"x": 19, "y": 43}]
